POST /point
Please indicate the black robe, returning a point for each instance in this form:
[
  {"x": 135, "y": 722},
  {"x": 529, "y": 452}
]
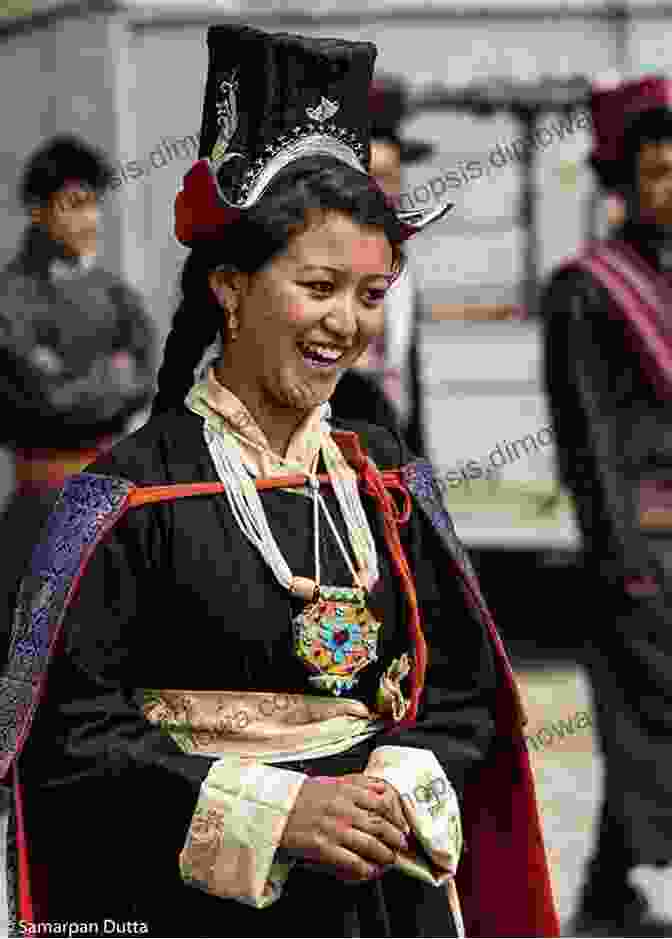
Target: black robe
[
  {"x": 59, "y": 389},
  {"x": 176, "y": 597},
  {"x": 613, "y": 432},
  {"x": 122, "y": 595}
]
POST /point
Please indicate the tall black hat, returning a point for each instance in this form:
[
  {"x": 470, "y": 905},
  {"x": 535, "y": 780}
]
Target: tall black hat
[
  {"x": 272, "y": 99},
  {"x": 63, "y": 160},
  {"x": 389, "y": 108}
]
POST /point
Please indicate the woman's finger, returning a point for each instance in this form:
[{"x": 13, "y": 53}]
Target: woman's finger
[
  {"x": 346, "y": 877},
  {"x": 345, "y": 863},
  {"x": 395, "y": 809},
  {"x": 363, "y": 782},
  {"x": 372, "y": 823},
  {"x": 386, "y": 803},
  {"x": 368, "y": 846}
]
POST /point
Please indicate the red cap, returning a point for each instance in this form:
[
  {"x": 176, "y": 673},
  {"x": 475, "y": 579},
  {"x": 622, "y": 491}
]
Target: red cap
[
  {"x": 613, "y": 108},
  {"x": 380, "y": 94}
]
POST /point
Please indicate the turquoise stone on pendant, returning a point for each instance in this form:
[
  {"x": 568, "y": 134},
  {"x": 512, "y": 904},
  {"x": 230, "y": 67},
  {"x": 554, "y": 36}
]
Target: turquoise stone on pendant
[{"x": 336, "y": 637}]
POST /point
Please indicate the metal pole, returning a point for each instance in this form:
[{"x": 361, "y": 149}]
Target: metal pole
[
  {"x": 527, "y": 214},
  {"x": 591, "y": 227},
  {"x": 620, "y": 16}
]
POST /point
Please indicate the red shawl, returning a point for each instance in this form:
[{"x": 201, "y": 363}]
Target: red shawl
[{"x": 642, "y": 297}]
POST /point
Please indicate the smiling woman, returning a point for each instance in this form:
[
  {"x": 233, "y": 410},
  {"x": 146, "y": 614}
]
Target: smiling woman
[
  {"x": 295, "y": 291},
  {"x": 308, "y": 313},
  {"x": 314, "y": 564}
]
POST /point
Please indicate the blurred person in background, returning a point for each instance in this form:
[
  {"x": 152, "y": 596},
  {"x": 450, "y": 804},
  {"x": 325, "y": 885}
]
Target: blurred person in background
[
  {"x": 615, "y": 211},
  {"x": 608, "y": 368},
  {"x": 386, "y": 387},
  {"x": 76, "y": 347}
]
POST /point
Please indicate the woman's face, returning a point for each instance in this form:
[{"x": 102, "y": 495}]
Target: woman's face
[{"x": 309, "y": 314}]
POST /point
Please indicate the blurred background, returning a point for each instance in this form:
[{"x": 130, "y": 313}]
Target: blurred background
[{"x": 128, "y": 77}]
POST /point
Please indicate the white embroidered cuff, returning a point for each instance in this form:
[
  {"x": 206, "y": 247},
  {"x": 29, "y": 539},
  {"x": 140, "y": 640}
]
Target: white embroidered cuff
[
  {"x": 240, "y": 817},
  {"x": 431, "y": 809}
]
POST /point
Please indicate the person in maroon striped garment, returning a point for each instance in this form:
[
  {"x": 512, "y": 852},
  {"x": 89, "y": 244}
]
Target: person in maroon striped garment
[{"x": 608, "y": 372}]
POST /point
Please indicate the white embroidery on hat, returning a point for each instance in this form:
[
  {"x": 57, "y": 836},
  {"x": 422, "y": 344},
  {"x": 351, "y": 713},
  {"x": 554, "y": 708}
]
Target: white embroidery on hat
[
  {"x": 227, "y": 115},
  {"x": 324, "y": 110}
]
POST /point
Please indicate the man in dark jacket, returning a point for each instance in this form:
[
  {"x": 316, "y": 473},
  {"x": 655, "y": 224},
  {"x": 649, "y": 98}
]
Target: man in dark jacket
[
  {"x": 608, "y": 365},
  {"x": 77, "y": 351},
  {"x": 387, "y": 389}
]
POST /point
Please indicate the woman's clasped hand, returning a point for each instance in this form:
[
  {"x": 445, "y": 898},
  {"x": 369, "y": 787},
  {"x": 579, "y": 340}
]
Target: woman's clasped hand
[{"x": 352, "y": 827}]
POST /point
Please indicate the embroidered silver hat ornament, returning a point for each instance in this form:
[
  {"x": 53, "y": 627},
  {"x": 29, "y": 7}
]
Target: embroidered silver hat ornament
[
  {"x": 323, "y": 111},
  {"x": 266, "y": 110},
  {"x": 227, "y": 120},
  {"x": 303, "y": 140}
]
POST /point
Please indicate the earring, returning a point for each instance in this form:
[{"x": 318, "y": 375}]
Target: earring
[{"x": 233, "y": 327}]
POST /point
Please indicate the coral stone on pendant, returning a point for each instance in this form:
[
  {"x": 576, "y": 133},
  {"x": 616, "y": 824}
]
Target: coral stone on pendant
[{"x": 336, "y": 637}]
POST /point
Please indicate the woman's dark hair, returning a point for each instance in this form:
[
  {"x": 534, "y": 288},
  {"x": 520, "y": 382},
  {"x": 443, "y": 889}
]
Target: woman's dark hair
[
  {"x": 651, "y": 126},
  {"x": 310, "y": 185}
]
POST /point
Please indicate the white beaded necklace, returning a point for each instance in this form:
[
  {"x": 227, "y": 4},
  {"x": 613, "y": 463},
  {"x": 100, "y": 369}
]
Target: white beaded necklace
[
  {"x": 250, "y": 516},
  {"x": 335, "y": 634}
]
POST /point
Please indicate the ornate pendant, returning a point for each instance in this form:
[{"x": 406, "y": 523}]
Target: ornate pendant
[{"x": 336, "y": 636}]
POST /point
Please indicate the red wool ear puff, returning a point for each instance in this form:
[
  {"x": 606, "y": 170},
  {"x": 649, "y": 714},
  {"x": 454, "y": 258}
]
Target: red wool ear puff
[{"x": 199, "y": 212}]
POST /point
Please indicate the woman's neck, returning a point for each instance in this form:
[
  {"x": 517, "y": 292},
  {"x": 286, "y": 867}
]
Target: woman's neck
[{"x": 278, "y": 423}]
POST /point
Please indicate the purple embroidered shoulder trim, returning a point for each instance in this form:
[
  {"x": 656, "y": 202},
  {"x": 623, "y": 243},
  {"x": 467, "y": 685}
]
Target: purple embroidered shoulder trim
[
  {"x": 420, "y": 479},
  {"x": 87, "y": 508},
  {"x": 422, "y": 483}
]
